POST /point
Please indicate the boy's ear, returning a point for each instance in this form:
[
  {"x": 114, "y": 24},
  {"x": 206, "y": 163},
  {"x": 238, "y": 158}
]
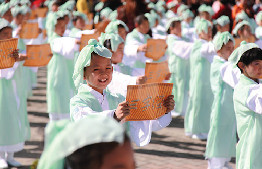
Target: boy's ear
[
  {"x": 241, "y": 65},
  {"x": 136, "y": 25}
]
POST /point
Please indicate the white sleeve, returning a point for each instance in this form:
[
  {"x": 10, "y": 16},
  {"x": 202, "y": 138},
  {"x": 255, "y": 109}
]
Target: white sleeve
[
  {"x": 254, "y": 99},
  {"x": 65, "y": 46},
  {"x": 7, "y": 73},
  {"x": 208, "y": 51},
  {"x": 130, "y": 51},
  {"x": 229, "y": 74},
  {"x": 82, "y": 112},
  {"x": 141, "y": 131},
  {"x": 182, "y": 49}
]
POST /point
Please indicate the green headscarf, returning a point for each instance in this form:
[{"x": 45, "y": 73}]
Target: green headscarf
[
  {"x": 172, "y": 20},
  {"x": 4, "y": 23},
  {"x": 4, "y": 7},
  {"x": 114, "y": 38},
  {"x": 187, "y": 14},
  {"x": 69, "y": 5},
  {"x": 222, "y": 39},
  {"x": 181, "y": 8},
  {"x": 205, "y": 8},
  {"x": 105, "y": 13},
  {"x": 171, "y": 4},
  {"x": 237, "y": 53},
  {"x": 203, "y": 25},
  {"x": 113, "y": 26},
  {"x": 239, "y": 25},
  {"x": 25, "y": 2},
  {"x": 242, "y": 15},
  {"x": 99, "y": 6},
  {"x": 80, "y": 14},
  {"x": 71, "y": 136},
  {"x": 222, "y": 20},
  {"x": 13, "y": 3},
  {"x": 16, "y": 10},
  {"x": 113, "y": 15},
  {"x": 25, "y": 9},
  {"x": 151, "y": 5},
  {"x": 84, "y": 59}
]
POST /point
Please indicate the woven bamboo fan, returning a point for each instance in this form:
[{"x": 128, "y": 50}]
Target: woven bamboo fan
[
  {"x": 86, "y": 37},
  {"x": 156, "y": 72},
  {"x": 146, "y": 101},
  {"x": 38, "y": 55},
  {"x": 29, "y": 31},
  {"x": 156, "y": 48},
  {"x": 6, "y": 48}
]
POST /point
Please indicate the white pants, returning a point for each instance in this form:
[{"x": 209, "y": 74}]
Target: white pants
[{"x": 218, "y": 163}]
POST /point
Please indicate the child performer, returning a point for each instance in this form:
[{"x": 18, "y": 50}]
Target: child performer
[
  {"x": 222, "y": 24},
  {"x": 179, "y": 51},
  {"x": 247, "y": 104},
  {"x": 188, "y": 30},
  {"x": 13, "y": 126},
  {"x": 198, "y": 111},
  {"x": 94, "y": 65},
  {"x": 258, "y": 31},
  {"x": 79, "y": 21},
  {"x": 106, "y": 146},
  {"x": 222, "y": 134},
  {"x": 117, "y": 26}
]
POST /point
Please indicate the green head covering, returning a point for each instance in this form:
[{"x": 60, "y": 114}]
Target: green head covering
[
  {"x": 114, "y": 38},
  {"x": 170, "y": 14},
  {"x": 99, "y": 6},
  {"x": 242, "y": 16},
  {"x": 205, "y": 8},
  {"x": 25, "y": 9},
  {"x": 151, "y": 5},
  {"x": 202, "y": 25},
  {"x": 25, "y": 2},
  {"x": 69, "y": 5},
  {"x": 187, "y": 14},
  {"x": 237, "y": 53},
  {"x": 171, "y": 5},
  {"x": 71, "y": 136},
  {"x": 53, "y": 19},
  {"x": 105, "y": 13},
  {"x": 239, "y": 25},
  {"x": 4, "y": 23},
  {"x": 64, "y": 12},
  {"x": 16, "y": 10},
  {"x": 80, "y": 14},
  {"x": 181, "y": 8},
  {"x": 13, "y": 3},
  {"x": 222, "y": 20},
  {"x": 4, "y": 7},
  {"x": 172, "y": 20},
  {"x": 113, "y": 15},
  {"x": 46, "y": 3},
  {"x": 259, "y": 17},
  {"x": 113, "y": 26},
  {"x": 151, "y": 20},
  {"x": 160, "y": 3},
  {"x": 222, "y": 39},
  {"x": 84, "y": 59}
]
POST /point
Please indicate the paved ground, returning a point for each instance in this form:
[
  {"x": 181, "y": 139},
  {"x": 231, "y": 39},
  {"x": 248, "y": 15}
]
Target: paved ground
[{"x": 169, "y": 148}]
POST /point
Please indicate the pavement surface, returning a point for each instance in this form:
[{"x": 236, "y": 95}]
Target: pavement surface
[{"x": 169, "y": 148}]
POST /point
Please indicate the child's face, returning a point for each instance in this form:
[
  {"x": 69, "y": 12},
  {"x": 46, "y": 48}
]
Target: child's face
[
  {"x": 226, "y": 50},
  {"x": 60, "y": 27},
  {"x": 121, "y": 157},
  {"x": 66, "y": 18},
  {"x": 99, "y": 74},
  {"x": 6, "y": 33},
  {"x": 19, "y": 19},
  {"x": 205, "y": 15},
  {"x": 8, "y": 16},
  {"x": 80, "y": 23},
  {"x": 122, "y": 33},
  {"x": 144, "y": 27},
  {"x": 206, "y": 36},
  {"x": 117, "y": 56},
  {"x": 253, "y": 70},
  {"x": 246, "y": 32},
  {"x": 177, "y": 30},
  {"x": 54, "y": 8}
]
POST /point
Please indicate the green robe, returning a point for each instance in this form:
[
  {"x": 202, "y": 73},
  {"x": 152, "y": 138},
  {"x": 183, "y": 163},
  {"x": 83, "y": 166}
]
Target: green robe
[
  {"x": 221, "y": 140},
  {"x": 198, "y": 112},
  {"x": 58, "y": 84},
  {"x": 179, "y": 68},
  {"x": 249, "y": 127}
]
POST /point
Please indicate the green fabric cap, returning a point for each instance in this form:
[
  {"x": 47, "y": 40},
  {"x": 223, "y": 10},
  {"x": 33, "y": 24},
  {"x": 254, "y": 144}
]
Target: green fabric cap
[
  {"x": 237, "y": 53},
  {"x": 113, "y": 26},
  {"x": 172, "y": 20},
  {"x": 113, "y": 15},
  {"x": 4, "y": 23},
  {"x": 64, "y": 12},
  {"x": 171, "y": 4},
  {"x": 259, "y": 17},
  {"x": 71, "y": 136},
  {"x": 202, "y": 25},
  {"x": 222, "y": 39},
  {"x": 114, "y": 38},
  {"x": 181, "y": 8},
  {"x": 80, "y": 14},
  {"x": 4, "y": 7},
  {"x": 151, "y": 5},
  {"x": 239, "y": 25},
  {"x": 84, "y": 59},
  {"x": 25, "y": 2},
  {"x": 187, "y": 14},
  {"x": 170, "y": 14},
  {"x": 25, "y": 9},
  {"x": 99, "y": 6},
  {"x": 105, "y": 13},
  {"x": 13, "y": 3},
  {"x": 46, "y": 3},
  {"x": 242, "y": 16},
  {"x": 205, "y": 8},
  {"x": 16, "y": 10},
  {"x": 160, "y": 3},
  {"x": 69, "y": 5},
  {"x": 222, "y": 20}
]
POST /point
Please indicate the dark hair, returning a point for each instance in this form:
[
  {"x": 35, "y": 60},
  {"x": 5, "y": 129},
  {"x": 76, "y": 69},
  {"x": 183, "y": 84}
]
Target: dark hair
[
  {"x": 107, "y": 44},
  {"x": 139, "y": 19},
  {"x": 251, "y": 55},
  {"x": 75, "y": 18},
  {"x": 91, "y": 156},
  {"x": 172, "y": 25},
  {"x": 5, "y": 28},
  {"x": 120, "y": 26}
]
